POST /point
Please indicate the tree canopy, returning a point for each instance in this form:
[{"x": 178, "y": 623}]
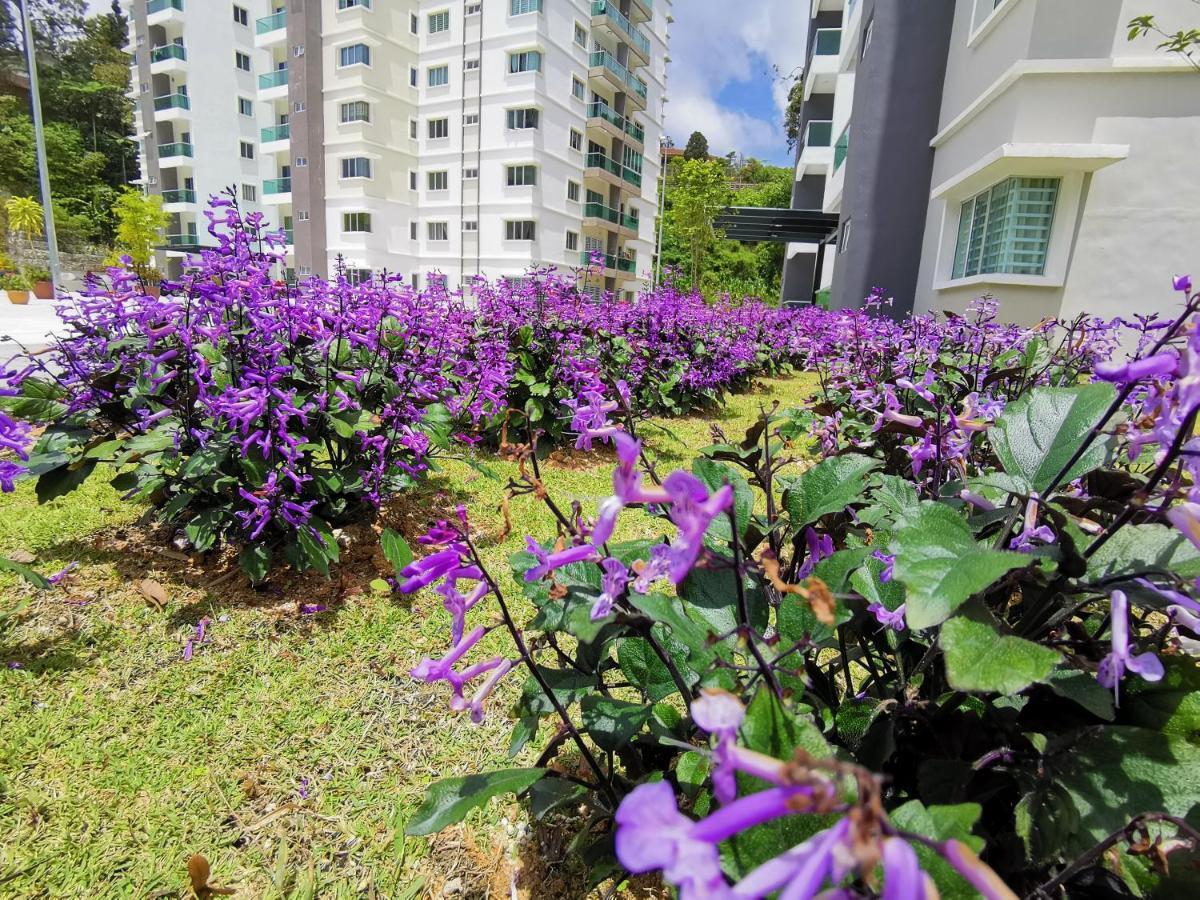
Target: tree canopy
[{"x": 697, "y": 147}]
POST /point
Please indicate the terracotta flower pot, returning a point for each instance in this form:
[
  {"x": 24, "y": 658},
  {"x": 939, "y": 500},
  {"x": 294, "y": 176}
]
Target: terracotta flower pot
[
  {"x": 18, "y": 298},
  {"x": 153, "y": 290},
  {"x": 43, "y": 290}
]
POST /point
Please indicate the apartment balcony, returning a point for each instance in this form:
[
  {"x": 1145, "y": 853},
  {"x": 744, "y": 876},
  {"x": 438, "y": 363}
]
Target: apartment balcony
[
  {"x": 172, "y": 108},
  {"x": 182, "y": 242},
  {"x": 603, "y": 118},
  {"x": 276, "y": 138},
  {"x": 273, "y": 85},
  {"x": 821, "y": 77},
  {"x": 597, "y": 215},
  {"x": 168, "y": 59},
  {"x": 161, "y": 12},
  {"x": 271, "y": 30},
  {"x": 841, "y": 149},
  {"x": 606, "y": 15},
  {"x": 600, "y": 168},
  {"x": 277, "y": 190},
  {"x": 604, "y": 66},
  {"x": 612, "y": 263},
  {"x": 176, "y": 154},
  {"x": 816, "y": 152},
  {"x": 178, "y": 201},
  {"x": 642, "y": 10}
]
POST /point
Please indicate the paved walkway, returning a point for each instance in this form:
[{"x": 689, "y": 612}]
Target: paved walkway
[{"x": 31, "y": 325}]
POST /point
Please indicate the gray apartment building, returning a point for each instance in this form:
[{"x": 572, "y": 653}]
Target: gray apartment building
[{"x": 1025, "y": 149}]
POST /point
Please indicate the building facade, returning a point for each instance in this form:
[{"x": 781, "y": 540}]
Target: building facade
[
  {"x": 431, "y": 138},
  {"x": 1025, "y": 149}
]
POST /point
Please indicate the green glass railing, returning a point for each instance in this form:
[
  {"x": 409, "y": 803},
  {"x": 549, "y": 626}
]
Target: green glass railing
[
  {"x": 276, "y": 133},
  {"x": 290, "y": 235},
  {"x": 635, "y": 131},
  {"x": 167, "y": 51},
  {"x": 632, "y": 176},
  {"x": 600, "y": 161},
  {"x": 828, "y": 42},
  {"x": 603, "y": 111},
  {"x": 626, "y": 265},
  {"x": 273, "y": 79},
  {"x": 841, "y": 149},
  {"x": 631, "y": 222},
  {"x": 179, "y": 148},
  {"x": 610, "y": 261},
  {"x": 819, "y": 133},
  {"x": 181, "y": 240},
  {"x": 154, "y": 6},
  {"x": 600, "y": 211},
  {"x": 608, "y": 61},
  {"x": 272, "y": 22},
  {"x": 614, "y": 15},
  {"x": 180, "y": 196},
  {"x": 277, "y": 186},
  {"x": 172, "y": 101}
]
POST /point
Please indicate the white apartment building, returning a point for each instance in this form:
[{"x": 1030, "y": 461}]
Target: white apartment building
[{"x": 432, "y": 138}]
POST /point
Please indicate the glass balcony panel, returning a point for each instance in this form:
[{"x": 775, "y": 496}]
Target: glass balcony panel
[
  {"x": 276, "y": 133},
  {"x": 172, "y": 101},
  {"x": 277, "y": 186},
  {"x": 273, "y": 79},
  {"x": 168, "y": 51},
  {"x": 829, "y": 42},
  {"x": 271, "y": 23}
]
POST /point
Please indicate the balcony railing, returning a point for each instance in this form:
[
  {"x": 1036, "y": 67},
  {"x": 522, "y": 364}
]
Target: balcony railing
[
  {"x": 631, "y": 222},
  {"x": 154, "y": 6},
  {"x": 167, "y": 51},
  {"x": 819, "y": 133},
  {"x": 271, "y": 23},
  {"x": 609, "y": 9},
  {"x": 625, "y": 264},
  {"x": 610, "y": 261},
  {"x": 608, "y": 61},
  {"x": 172, "y": 101},
  {"x": 828, "y": 42},
  {"x": 273, "y": 79},
  {"x": 600, "y": 161},
  {"x": 635, "y": 131},
  {"x": 179, "y": 196},
  {"x": 187, "y": 239},
  {"x": 276, "y": 133},
  {"x": 179, "y": 148},
  {"x": 289, "y": 235},
  {"x": 841, "y": 149},
  {"x": 277, "y": 186},
  {"x": 598, "y": 110},
  {"x": 632, "y": 176}
]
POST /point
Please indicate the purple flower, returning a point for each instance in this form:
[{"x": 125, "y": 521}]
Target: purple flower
[
  {"x": 801, "y": 871},
  {"x": 1182, "y": 283},
  {"x": 692, "y": 511},
  {"x": 889, "y": 618},
  {"x": 627, "y": 488},
  {"x": 1121, "y": 659},
  {"x": 889, "y": 565},
  {"x": 612, "y": 585},
  {"x": 1161, "y": 365},
  {"x": 720, "y": 714},
  {"x": 312, "y": 609},
  {"x": 1186, "y": 517},
  {"x": 548, "y": 562},
  {"x": 421, "y": 573}
]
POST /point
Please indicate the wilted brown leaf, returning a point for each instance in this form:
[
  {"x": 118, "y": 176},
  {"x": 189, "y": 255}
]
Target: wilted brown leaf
[
  {"x": 156, "y": 595},
  {"x": 199, "y": 873},
  {"x": 814, "y": 590}
]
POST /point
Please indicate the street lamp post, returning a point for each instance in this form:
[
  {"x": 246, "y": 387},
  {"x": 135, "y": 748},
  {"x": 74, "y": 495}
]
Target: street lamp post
[{"x": 40, "y": 142}]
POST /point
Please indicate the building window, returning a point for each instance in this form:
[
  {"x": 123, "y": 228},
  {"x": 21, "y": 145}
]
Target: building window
[
  {"x": 412, "y": 231},
  {"x": 1006, "y": 229},
  {"x": 470, "y": 174},
  {"x": 520, "y": 119},
  {"x": 522, "y": 176},
  {"x": 438, "y": 129},
  {"x": 470, "y": 225},
  {"x": 470, "y": 65},
  {"x": 868, "y": 35},
  {"x": 580, "y": 35},
  {"x": 355, "y": 111},
  {"x": 241, "y": 16},
  {"x": 520, "y": 7},
  {"x": 298, "y": 106},
  {"x": 298, "y": 50},
  {"x": 473, "y": 9},
  {"x": 525, "y": 61},
  {"x": 356, "y": 222},
  {"x": 414, "y": 23},
  {"x": 437, "y": 231},
  {"x": 354, "y": 55},
  {"x": 358, "y": 276},
  {"x": 578, "y": 89},
  {"x": 471, "y": 119},
  {"x": 439, "y": 76},
  {"x": 241, "y": 60},
  {"x": 302, "y": 215},
  {"x": 576, "y": 140},
  {"x": 350, "y": 4},
  {"x": 412, "y": 180},
  {"x": 438, "y": 181},
  {"x": 247, "y": 150},
  {"x": 301, "y": 162},
  {"x": 412, "y": 128},
  {"x": 844, "y": 238},
  {"x": 245, "y": 107},
  {"x": 439, "y": 21},
  {"x": 573, "y": 191},
  {"x": 356, "y": 167},
  {"x": 523, "y": 230},
  {"x": 412, "y": 76},
  {"x": 249, "y": 193},
  {"x": 572, "y": 240}
]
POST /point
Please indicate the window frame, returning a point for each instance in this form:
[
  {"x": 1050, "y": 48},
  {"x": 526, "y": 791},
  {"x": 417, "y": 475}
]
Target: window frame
[
  {"x": 531, "y": 53},
  {"x": 441, "y": 17},
  {"x": 518, "y": 227},
  {"x": 437, "y": 175},
  {"x": 520, "y": 175},
  {"x": 348, "y": 104},
  {"x": 349, "y": 219},
  {"x": 522, "y": 113},
  {"x": 1010, "y": 199},
  {"x": 358, "y": 45},
  {"x": 444, "y": 69},
  {"x": 354, "y": 163},
  {"x": 442, "y": 227},
  {"x": 444, "y": 125}
]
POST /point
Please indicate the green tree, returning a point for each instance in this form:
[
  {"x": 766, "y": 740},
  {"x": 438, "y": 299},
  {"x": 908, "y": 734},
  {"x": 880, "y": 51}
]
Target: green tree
[
  {"x": 140, "y": 225},
  {"x": 25, "y": 216},
  {"x": 791, "y": 115},
  {"x": 699, "y": 190},
  {"x": 1185, "y": 42},
  {"x": 697, "y": 147}
]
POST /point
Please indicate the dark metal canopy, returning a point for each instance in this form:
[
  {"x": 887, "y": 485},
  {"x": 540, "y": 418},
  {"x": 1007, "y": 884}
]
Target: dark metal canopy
[{"x": 802, "y": 226}]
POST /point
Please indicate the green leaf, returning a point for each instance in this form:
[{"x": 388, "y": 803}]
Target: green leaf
[
  {"x": 979, "y": 658},
  {"x": 941, "y": 823},
  {"x": 1045, "y": 819},
  {"x": 894, "y": 498},
  {"x": 613, "y": 723},
  {"x": 941, "y": 564},
  {"x": 711, "y": 595},
  {"x": 62, "y": 480},
  {"x": 1084, "y": 689},
  {"x": 829, "y": 486},
  {"x": 203, "y": 529},
  {"x": 715, "y": 475},
  {"x": 396, "y": 550},
  {"x": 316, "y": 552},
  {"x": 691, "y": 771},
  {"x": 1171, "y": 705},
  {"x": 202, "y": 462},
  {"x": 255, "y": 560},
  {"x": 1038, "y": 432},
  {"x": 523, "y": 732},
  {"x": 449, "y": 801},
  {"x": 646, "y": 671},
  {"x": 567, "y": 686},
  {"x": 1139, "y": 549},
  {"x": 38, "y": 402},
  {"x": 670, "y": 612},
  {"x": 23, "y": 571},
  {"x": 549, "y": 794}
]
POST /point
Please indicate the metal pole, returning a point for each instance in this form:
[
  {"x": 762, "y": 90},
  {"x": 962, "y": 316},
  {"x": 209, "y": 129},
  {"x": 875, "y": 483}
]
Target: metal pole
[
  {"x": 40, "y": 139},
  {"x": 662, "y": 203}
]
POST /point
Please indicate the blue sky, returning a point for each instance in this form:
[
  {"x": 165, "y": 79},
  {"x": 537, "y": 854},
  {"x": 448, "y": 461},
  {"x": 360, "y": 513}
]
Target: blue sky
[{"x": 722, "y": 80}]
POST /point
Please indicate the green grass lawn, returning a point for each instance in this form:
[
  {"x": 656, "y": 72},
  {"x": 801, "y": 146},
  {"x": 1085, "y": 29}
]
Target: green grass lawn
[{"x": 290, "y": 749}]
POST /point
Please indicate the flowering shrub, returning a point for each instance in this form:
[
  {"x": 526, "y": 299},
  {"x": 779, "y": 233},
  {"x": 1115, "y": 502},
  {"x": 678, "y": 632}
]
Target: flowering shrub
[
  {"x": 953, "y": 657},
  {"x": 251, "y": 410}
]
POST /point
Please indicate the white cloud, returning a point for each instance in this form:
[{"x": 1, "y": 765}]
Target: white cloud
[{"x": 714, "y": 43}]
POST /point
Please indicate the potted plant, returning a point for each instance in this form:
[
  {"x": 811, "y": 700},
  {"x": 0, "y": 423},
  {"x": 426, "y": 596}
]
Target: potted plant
[
  {"x": 16, "y": 286},
  {"x": 43, "y": 286},
  {"x": 151, "y": 281}
]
